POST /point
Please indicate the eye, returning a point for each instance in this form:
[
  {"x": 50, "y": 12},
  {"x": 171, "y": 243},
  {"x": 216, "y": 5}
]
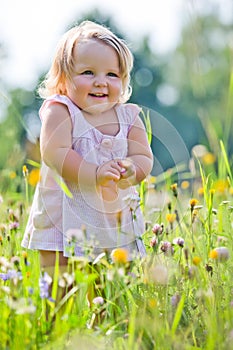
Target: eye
[
  {"x": 111, "y": 74},
  {"x": 87, "y": 72}
]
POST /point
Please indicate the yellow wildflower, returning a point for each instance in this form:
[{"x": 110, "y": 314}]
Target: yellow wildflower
[
  {"x": 212, "y": 191},
  {"x": 151, "y": 180},
  {"x": 200, "y": 191},
  {"x": 196, "y": 260},
  {"x": 120, "y": 256},
  {"x": 208, "y": 158},
  {"x": 221, "y": 185},
  {"x": 193, "y": 202},
  {"x": 171, "y": 217},
  {"x": 185, "y": 184},
  {"x": 24, "y": 254},
  {"x": 25, "y": 170},
  {"x": 213, "y": 254},
  {"x": 12, "y": 175},
  {"x": 174, "y": 189},
  {"x": 152, "y": 303},
  {"x": 231, "y": 190},
  {"x": 34, "y": 177},
  {"x": 174, "y": 186}
]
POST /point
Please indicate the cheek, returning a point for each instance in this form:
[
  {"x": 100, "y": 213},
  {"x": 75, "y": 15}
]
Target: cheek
[
  {"x": 117, "y": 87},
  {"x": 82, "y": 82}
]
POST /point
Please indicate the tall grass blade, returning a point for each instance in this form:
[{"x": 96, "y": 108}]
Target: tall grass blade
[
  {"x": 33, "y": 163},
  {"x": 226, "y": 161},
  {"x": 63, "y": 186},
  {"x": 178, "y": 315},
  {"x": 146, "y": 119}
]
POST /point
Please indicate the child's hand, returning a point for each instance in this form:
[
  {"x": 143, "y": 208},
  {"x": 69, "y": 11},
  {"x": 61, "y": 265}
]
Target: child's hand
[
  {"x": 128, "y": 173},
  {"x": 109, "y": 171}
]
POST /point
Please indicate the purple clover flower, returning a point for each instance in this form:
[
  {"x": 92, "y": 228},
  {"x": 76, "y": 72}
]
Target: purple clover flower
[
  {"x": 179, "y": 241},
  {"x": 157, "y": 229},
  {"x": 167, "y": 248},
  {"x": 4, "y": 276},
  {"x": 154, "y": 242},
  {"x": 10, "y": 275},
  {"x": 44, "y": 284},
  {"x": 13, "y": 225}
]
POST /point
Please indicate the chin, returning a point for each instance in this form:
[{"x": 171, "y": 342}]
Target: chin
[{"x": 99, "y": 108}]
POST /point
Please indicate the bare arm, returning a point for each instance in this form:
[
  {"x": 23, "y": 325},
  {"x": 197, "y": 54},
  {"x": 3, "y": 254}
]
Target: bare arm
[
  {"x": 140, "y": 158},
  {"x": 57, "y": 152}
]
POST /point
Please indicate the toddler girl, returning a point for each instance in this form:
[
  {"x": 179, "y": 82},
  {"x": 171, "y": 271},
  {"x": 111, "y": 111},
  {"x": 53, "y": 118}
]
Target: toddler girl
[{"x": 94, "y": 151}]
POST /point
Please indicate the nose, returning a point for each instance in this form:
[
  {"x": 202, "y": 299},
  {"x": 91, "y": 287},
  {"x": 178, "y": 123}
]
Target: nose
[{"x": 100, "y": 81}]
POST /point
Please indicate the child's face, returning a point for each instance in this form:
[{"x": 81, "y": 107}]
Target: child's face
[{"x": 97, "y": 82}]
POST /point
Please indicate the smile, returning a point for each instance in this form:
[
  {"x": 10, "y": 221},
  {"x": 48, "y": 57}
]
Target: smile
[{"x": 98, "y": 95}]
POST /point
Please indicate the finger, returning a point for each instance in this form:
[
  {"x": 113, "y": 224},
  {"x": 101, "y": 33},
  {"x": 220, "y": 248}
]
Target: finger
[
  {"x": 120, "y": 166},
  {"x": 116, "y": 166},
  {"x": 127, "y": 167},
  {"x": 124, "y": 163},
  {"x": 113, "y": 174},
  {"x": 126, "y": 173}
]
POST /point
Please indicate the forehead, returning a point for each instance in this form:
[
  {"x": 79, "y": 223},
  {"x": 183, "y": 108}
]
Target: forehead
[{"x": 95, "y": 49}]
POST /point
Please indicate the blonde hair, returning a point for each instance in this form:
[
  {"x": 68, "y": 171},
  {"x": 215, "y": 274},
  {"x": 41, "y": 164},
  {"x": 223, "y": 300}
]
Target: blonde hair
[{"x": 63, "y": 62}]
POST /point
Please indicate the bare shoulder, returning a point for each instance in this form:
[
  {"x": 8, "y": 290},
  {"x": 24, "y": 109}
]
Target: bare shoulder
[
  {"x": 137, "y": 128},
  {"x": 56, "y": 113},
  {"x": 56, "y": 130},
  {"x": 129, "y": 110}
]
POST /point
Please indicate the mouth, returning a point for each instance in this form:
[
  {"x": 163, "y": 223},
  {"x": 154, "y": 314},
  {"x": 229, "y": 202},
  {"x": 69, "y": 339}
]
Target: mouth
[{"x": 98, "y": 95}]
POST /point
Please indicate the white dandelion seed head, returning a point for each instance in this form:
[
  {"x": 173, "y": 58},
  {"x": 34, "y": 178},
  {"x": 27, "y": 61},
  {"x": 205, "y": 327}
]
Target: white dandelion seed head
[
  {"x": 98, "y": 301},
  {"x": 223, "y": 253},
  {"x": 159, "y": 274},
  {"x": 75, "y": 235}
]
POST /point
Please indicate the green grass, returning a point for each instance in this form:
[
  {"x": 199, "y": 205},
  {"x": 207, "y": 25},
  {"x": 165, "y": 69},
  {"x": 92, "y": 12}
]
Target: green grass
[{"x": 179, "y": 297}]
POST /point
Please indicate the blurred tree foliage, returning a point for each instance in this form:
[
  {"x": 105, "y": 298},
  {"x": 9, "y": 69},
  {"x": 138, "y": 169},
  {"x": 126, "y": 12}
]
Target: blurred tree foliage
[
  {"x": 201, "y": 69},
  {"x": 190, "y": 87},
  {"x": 15, "y": 128}
]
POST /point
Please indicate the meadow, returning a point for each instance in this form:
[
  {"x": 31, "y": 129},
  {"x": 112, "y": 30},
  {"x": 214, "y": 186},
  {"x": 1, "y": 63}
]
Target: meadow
[{"x": 179, "y": 297}]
